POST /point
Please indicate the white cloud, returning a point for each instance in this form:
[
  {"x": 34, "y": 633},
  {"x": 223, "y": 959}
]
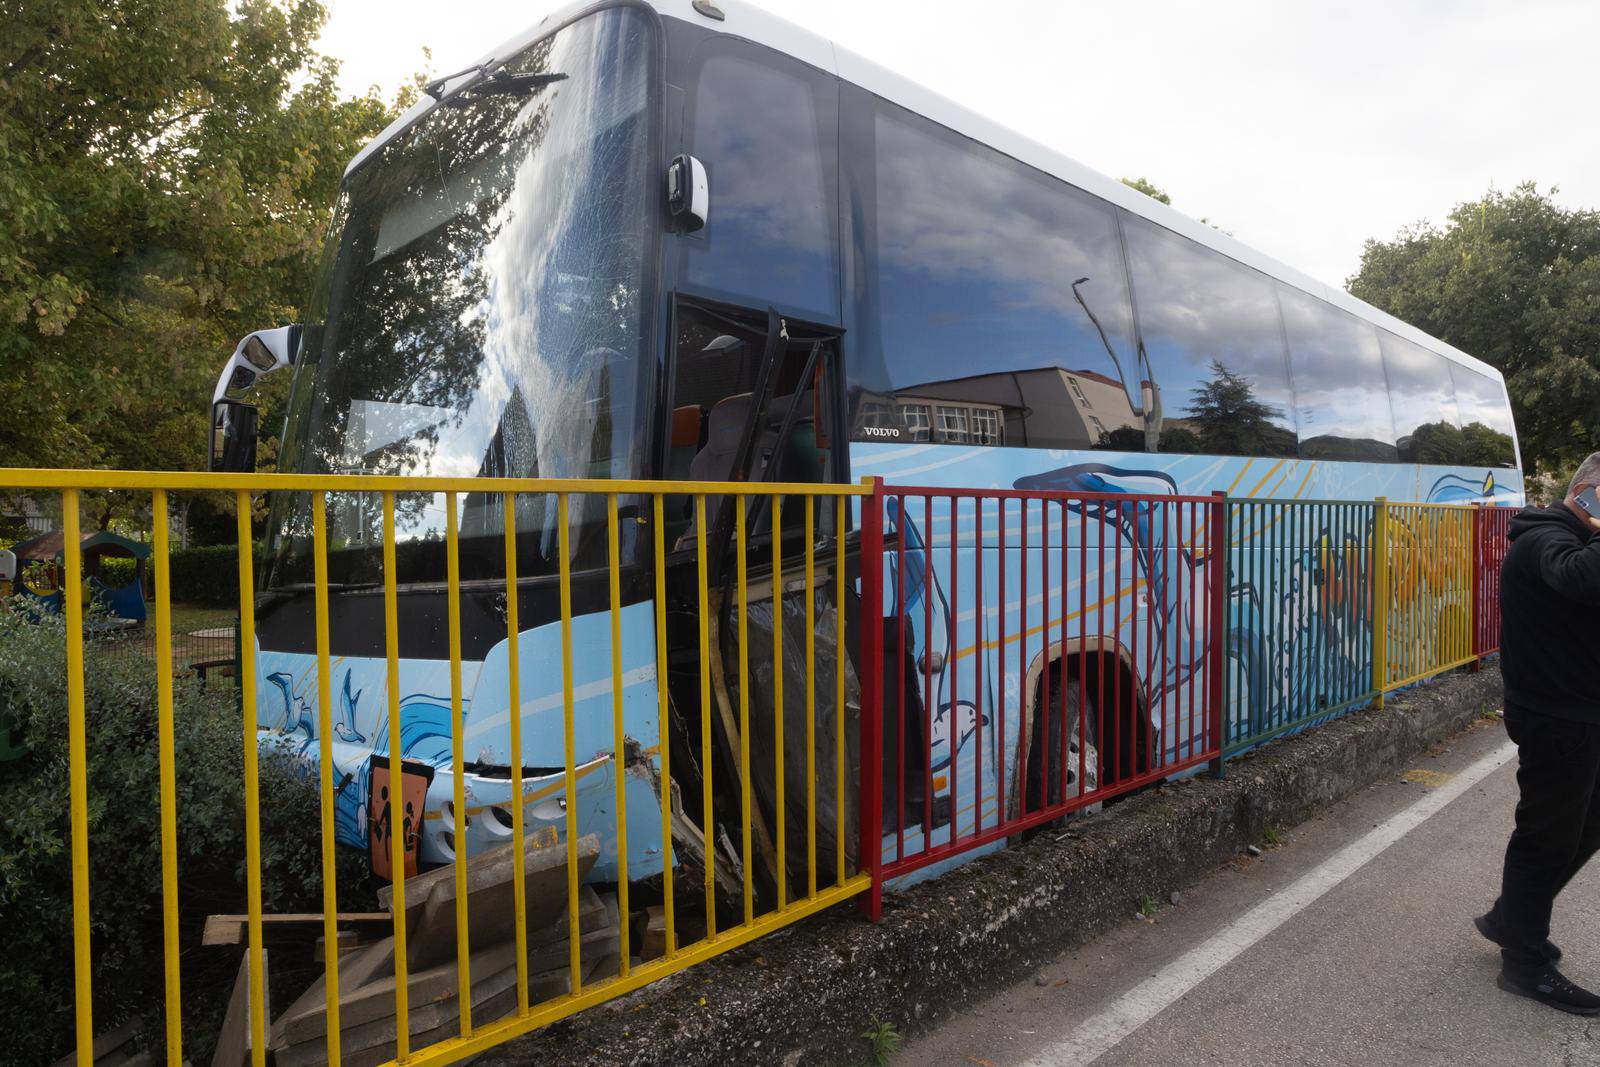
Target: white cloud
[{"x": 1302, "y": 129}]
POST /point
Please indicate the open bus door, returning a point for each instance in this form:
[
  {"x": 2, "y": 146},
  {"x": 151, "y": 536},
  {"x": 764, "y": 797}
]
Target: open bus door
[{"x": 757, "y": 397}]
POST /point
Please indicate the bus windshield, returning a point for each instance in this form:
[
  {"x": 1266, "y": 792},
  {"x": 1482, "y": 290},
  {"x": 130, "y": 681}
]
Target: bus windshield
[{"x": 481, "y": 308}]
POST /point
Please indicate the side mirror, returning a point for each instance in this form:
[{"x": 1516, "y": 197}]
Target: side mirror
[
  {"x": 233, "y": 437},
  {"x": 261, "y": 352},
  {"x": 688, "y": 194}
]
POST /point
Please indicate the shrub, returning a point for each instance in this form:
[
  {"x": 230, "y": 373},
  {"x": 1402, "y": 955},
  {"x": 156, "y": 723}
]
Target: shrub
[
  {"x": 209, "y": 574},
  {"x": 36, "y": 1014}
]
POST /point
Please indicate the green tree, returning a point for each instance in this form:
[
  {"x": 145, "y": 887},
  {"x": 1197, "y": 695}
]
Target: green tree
[
  {"x": 1227, "y": 419},
  {"x": 1148, "y": 188},
  {"x": 168, "y": 168},
  {"x": 1514, "y": 279}
]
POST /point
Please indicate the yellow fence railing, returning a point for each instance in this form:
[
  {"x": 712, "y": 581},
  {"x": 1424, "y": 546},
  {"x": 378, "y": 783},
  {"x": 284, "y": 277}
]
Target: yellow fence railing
[
  {"x": 791, "y": 858},
  {"x": 1424, "y": 600}
]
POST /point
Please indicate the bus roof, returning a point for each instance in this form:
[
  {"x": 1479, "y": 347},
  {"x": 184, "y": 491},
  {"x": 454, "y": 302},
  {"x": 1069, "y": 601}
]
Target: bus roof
[{"x": 748, "y": 21}]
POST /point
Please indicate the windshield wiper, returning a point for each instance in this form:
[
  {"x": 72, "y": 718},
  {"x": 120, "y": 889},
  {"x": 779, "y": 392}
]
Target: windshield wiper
[
  {"x": 502, "y": 83},
  {"x": 435, "y": 88}
]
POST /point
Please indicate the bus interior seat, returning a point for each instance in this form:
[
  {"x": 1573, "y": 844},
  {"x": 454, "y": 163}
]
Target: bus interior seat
[
  {"x": 714, "y": 461},
  {"x": 684, "y": 442}
]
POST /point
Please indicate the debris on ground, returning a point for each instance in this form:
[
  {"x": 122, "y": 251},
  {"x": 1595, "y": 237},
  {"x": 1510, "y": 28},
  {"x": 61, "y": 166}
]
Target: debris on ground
[{"x": 366, "y": 973}]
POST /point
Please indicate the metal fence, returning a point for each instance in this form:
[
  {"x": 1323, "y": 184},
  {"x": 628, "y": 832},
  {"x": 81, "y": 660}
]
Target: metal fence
[
  {"x": 1300, "y": 614},
  {"x": 792, "y": 809},
  {"x": 1492, "y": 539},
  {"x": 1425, "y": 583},
  {"x": 827, "y": 718},
  {"x": 1041, "y": 652}
]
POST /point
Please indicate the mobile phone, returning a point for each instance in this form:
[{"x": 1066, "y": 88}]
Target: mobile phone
[{"x": 1589, "y": 503}]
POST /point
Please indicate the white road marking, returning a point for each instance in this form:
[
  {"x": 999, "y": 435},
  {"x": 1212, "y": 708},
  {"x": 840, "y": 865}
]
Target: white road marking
[{"x": 1102, "y": 1032}]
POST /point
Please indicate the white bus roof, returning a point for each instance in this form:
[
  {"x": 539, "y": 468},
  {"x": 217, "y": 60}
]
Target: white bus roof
[{"x": 749, "y": 21}]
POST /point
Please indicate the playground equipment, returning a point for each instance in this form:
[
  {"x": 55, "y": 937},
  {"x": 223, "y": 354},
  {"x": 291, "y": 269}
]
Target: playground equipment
[{"x": 120, "y": 601}]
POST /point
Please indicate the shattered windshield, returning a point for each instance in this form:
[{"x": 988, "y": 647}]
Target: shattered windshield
[{"x": 481, "y": 311}]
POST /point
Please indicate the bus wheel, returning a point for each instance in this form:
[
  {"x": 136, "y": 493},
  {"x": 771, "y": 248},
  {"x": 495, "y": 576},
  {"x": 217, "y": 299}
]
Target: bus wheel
[{"x": 1079, "y": 711}]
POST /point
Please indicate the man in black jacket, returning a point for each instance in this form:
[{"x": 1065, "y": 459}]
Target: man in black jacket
[{"x": 1550, "y": 663}]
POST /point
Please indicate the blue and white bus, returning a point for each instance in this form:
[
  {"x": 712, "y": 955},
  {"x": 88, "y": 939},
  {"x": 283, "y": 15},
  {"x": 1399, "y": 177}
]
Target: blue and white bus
[{"x": 686, "y": 240}]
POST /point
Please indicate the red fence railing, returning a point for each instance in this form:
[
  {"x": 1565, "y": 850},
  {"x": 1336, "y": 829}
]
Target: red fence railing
[
  {"x": 1491, "y": 529},
  {"x": 1038, "y": 652}
]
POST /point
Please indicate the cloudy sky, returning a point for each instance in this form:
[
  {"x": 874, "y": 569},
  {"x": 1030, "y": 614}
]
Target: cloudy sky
[{"x": 1303, "y": 128}]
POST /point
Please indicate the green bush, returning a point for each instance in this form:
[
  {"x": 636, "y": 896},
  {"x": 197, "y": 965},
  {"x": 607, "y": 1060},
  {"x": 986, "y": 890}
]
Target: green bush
[
  {"x": 118, "y": 572},
  {"x": 36, "y": 1014},
  {"x": 209, "y": 574}
]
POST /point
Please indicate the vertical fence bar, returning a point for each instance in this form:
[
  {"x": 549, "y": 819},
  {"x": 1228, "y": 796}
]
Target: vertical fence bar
[
  {"x": 900, "y": 681},
  {"x": 458, "y": 773},
  {"x": 77, "y": 773},
  {"x": 1217, "y": 576},
  {"x": 570, "y": 776},
  {"x": 925, "y": 664},
  {"x": 519, "y": 888},
  {"x": 838, "y": 686},
  {"x": 870, "y": 847},
  {"x": 1024, "y": 721},
  {"x": 619, "y": 753},
  {"x": 330, "y": 894},
  {"x": 978, "y": 664},
  {"x": 663, "y": 724},
  {"x": 999, "y": 662},
  {"x": 777, "y": 700},
  {"x": 397, "y": 836},
  {"x": 173, "y": 1004},
  {"x": 811, "y": 697},
  {"x": 741, "y": 576},
  {"x": 252, "y": 785},
  {"x": 708, "y": 824},
  {"x": 1380, "y": 599},
  {"x": 953, "y": 727},
  {"x": 1084, "y": 719},
  {"x": 1064, "y": 597}
]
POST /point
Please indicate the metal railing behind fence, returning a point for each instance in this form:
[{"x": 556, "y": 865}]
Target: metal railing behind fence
[{"x": 795, "y": 854}]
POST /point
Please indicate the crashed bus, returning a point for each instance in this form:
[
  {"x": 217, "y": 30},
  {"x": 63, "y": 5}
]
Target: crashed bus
[{"x": 691, "y": 243}]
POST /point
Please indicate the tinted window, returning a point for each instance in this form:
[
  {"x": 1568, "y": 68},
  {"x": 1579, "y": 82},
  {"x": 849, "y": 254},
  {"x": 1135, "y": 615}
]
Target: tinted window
[
  {"x": 1341, "y": 399},
  {"x": 994, "y": 299},
  {"x": 766, "y": 129},
  {"x": 1211, "y": 331},
  {"x": 1426, "y": 426},
  {"x": 1486, "y": 428}
]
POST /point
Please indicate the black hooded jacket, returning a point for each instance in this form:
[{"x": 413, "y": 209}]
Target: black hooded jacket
[{"x": 1550, "y": 616}]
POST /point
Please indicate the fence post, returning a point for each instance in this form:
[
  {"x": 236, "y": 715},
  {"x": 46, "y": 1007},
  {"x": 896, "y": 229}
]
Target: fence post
[
  {"x": 1380, "y": 598},
  {"x": 1219, "y": 577},
  {"x": 870, "y": 847}
]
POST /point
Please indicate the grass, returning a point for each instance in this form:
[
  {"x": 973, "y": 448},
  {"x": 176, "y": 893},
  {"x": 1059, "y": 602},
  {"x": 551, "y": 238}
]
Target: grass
[
  {"x": 1271, "y": 835},
  {"x": 883, "y": 1041},
  {"x": 1148, "y": 905}
]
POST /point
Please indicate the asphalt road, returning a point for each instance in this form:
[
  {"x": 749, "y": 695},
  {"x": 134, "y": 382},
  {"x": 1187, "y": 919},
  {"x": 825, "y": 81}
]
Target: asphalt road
[{"x": 1349, "y": 942}]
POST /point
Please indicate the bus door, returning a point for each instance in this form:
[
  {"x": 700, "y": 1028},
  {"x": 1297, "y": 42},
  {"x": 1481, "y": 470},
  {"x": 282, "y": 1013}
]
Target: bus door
[{"x": 754, "y": 396}]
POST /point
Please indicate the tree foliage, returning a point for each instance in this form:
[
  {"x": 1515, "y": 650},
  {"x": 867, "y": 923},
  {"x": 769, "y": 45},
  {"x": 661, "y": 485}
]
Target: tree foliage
[
  {"x": 1514, "y": 279},
  {"x": 167, "y": 167},
  {"x": 1148, "y": 188}
]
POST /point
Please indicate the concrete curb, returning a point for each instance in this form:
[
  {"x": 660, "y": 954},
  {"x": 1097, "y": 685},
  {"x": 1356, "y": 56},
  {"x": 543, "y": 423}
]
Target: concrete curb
[{"x": 805, "y": 995}]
